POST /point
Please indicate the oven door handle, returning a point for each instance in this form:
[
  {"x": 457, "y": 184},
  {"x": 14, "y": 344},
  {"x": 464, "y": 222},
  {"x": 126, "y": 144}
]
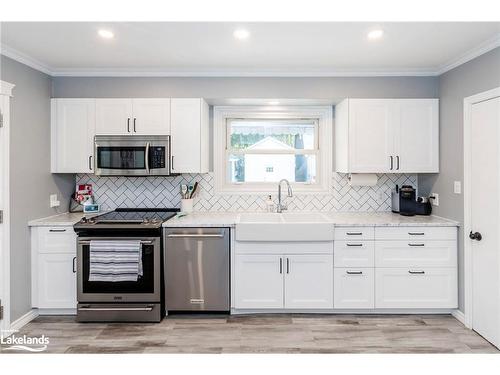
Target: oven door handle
[
  {"x": 146, "y": 308},
  {"x": 88, "y": 242}
]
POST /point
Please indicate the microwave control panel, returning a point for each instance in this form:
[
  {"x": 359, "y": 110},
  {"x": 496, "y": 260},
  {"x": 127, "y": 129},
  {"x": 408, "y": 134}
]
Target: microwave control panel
[{"x": 157, "y": 157}]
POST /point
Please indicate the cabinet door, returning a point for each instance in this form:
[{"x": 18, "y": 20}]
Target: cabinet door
[
  {"x": 151, "y": 116},
  {"x": 56, "y": 281},
  {"x": 417, "y": 148},
  {"x": 114, "y": 116},
  {"x": 188, "y": 137},
  {"x": 416, "y": 288},
  {"x": 309, "y": 281},
  {"x": 371, "y": 136},
  {"x": 259, "y": 282},
  {"x": 354, "y": 288},
  {"x": 73, "y": 130}
]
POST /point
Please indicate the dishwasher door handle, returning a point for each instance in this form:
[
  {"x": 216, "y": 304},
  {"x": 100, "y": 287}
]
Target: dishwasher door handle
[{"x": 195, "y": 235}]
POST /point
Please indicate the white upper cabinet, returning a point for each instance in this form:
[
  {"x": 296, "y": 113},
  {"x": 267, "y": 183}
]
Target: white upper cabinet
[
  {"x": 133, "y": 116},
  {"x": 189, "y": 135},
  {"x": 151, "y": 116},
  {"x": 72, "y": 135},
  {"x": 114, "y": 116},
  {"x": 387, "y": 136}
]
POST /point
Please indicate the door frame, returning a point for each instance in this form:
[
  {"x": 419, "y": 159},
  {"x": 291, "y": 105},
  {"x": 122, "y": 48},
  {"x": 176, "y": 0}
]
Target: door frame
[
  {"x": 5, "y": 91},
  {"x": 468, "y": 103}
]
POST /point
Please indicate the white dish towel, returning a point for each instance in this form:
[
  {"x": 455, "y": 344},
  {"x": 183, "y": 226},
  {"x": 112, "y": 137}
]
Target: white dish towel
[{"x": 115, "y": 261}]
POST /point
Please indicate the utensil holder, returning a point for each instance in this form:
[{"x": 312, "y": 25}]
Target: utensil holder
[{"x": 187, "y": 205}]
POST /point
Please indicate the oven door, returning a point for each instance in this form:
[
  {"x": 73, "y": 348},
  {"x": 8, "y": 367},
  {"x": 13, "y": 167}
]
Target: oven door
[
  {"x": 132, "y": 155},
  {"x": 145, "y": 289}
]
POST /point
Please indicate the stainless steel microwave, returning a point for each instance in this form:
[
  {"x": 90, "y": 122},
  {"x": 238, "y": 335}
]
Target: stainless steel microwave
[{"x": 132, "y": 155}]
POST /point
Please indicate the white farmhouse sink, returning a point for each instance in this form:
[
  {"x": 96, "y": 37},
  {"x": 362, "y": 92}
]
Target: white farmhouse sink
[{"x": 288, "y": 227}]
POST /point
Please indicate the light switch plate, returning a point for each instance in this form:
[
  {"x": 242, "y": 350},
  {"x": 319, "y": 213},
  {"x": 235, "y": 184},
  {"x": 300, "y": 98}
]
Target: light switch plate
[
  {"x": 457, "y": 187},
  {"x": 53, "y": 201},
  {"x": 435, "y": 201}
]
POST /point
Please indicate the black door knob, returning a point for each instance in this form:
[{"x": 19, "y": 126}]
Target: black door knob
[{"x": 475, "y": 236}]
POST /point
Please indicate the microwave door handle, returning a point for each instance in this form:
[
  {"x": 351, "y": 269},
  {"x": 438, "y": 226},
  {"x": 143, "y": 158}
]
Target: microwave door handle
[{"x": 146, "y": 158}]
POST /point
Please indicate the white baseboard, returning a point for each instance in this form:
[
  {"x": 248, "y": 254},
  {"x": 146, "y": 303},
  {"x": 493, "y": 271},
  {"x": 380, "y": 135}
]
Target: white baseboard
[
  {"x": 56, "y": 311},
  {"x": 458, "y": 315},
  {"x": 23, "y": 320}
]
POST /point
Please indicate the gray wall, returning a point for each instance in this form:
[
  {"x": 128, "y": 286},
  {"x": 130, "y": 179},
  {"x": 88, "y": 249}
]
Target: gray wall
[
  {"x": 216, "y": 88},
  {"x": 480, "y": 74},
  {"x": 30, "y": 179}
]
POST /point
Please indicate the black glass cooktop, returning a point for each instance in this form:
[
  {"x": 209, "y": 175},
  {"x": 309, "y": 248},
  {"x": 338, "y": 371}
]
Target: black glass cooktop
[{"x": 137, "y": 215}]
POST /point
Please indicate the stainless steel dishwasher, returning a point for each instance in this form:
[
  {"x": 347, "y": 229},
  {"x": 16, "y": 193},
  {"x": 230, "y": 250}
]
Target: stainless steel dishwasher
[{"x": 196, "y": 269}]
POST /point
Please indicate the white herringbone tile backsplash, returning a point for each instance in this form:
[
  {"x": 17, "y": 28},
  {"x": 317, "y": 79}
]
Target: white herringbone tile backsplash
[{"x": 113, "y": 192}]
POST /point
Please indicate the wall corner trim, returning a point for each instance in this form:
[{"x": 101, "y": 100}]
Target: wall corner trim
[{"x": 23, "y": 320}]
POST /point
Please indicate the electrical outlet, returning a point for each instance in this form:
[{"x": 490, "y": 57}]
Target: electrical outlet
[
  {"x": 435, "y": 200},
  {"x": 53, "y": 201},
  {"x": 457, "y": 187}
]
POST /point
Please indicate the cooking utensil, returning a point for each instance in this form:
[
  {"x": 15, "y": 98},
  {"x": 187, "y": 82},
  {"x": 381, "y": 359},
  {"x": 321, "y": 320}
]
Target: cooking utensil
[{"x": 193, "y": 191}]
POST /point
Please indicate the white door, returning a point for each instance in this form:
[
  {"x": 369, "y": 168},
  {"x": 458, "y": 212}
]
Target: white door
[
  {"x": 417, "y": 136},
  {"x": 114, "y": 116},
  {"x": 151, "y": 116},
  {"x": 57, "y": 281},
  {"x": 485, "y": 218},
  {"x": 186, "y": 135},
  {"x": 4, "y": 139},
  {"x": 371, "y": 135},
  {"x": 308, "y": 281},
  {"x": 73, "y": 130},
  {"x": 259, "y": 282}
]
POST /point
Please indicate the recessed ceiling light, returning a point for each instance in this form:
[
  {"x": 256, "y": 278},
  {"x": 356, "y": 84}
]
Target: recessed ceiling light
[
  {"x": 375, "y": 34},
  {"x": 106, "y": 34},
  {"x": 241, "y": 34},
  {"x": 274, "y": 102}
]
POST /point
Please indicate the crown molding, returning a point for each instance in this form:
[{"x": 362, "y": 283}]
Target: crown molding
[
  {"x": 18, "y": 56},
  {"x": 236, "y": 73},
  {"x": 6, "y": 88},
  {"x": 477, "y": 51},
  {"x": 24, "y": 59}
]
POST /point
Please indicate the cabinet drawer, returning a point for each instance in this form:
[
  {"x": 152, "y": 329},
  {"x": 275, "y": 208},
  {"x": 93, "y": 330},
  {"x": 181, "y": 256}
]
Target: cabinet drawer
[
  {"x": 415, "y": 253},
  {"x": 354, "y": 254},
  {"x": 56, "y": 239},
  {"x": 284, "y": 247},
  {"x": 416, "y": 233},
  {"x": 354, "y": 288},
  {"x": 354, "y": 233},
  {"x": 416, "y": 288}
]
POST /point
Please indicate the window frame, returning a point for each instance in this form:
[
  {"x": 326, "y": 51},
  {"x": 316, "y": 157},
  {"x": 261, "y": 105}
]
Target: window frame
[{"x": 323, "y": 116}]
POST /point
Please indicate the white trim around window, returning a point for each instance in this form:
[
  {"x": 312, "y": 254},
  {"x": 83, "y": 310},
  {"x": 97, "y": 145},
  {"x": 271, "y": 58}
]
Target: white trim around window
[{"x": 323, "y": 115}]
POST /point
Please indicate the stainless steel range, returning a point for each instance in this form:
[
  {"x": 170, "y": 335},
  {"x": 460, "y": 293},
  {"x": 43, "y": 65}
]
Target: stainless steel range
[{"x": 109, "y": 288}]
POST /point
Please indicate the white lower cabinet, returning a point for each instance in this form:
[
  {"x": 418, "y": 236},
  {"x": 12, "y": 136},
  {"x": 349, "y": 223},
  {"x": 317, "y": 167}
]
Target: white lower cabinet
[
  {"x": 277, "y": 281},
  {"x": 354, "y": 288},
  {"x": 56, "y": 281},
  {"x": 416, "y": 287},
  {"x": 259, "y": 281},
  {"x": 53, "y": 268},
  {"x": 308, "y": 281}
]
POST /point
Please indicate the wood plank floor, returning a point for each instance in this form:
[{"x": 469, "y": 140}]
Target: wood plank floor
[{"x": 284, "y": 333}]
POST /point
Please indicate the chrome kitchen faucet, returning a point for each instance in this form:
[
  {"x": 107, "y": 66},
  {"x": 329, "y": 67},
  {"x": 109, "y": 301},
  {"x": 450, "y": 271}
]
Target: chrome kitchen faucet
[{"x": 281, "y": 207}]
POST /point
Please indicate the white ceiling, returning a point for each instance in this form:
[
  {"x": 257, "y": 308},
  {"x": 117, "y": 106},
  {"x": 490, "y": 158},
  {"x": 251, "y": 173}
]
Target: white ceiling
[{"x": 273, "y": 49}]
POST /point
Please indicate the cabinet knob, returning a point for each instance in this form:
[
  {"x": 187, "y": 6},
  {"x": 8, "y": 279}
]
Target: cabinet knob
[{"x": 475, "y": 236}]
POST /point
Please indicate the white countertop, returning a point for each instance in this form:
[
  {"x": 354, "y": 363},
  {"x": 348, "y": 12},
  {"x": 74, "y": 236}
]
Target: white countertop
[
  {"x": 66, "y": 219},
  {"x": 230, "y": 219}
]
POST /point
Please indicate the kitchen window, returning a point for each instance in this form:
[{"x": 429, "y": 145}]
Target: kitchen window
[{"x": 257, "y": 147}]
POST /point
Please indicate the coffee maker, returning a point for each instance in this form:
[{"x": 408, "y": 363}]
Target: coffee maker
[{"x": 405, "y": 202}]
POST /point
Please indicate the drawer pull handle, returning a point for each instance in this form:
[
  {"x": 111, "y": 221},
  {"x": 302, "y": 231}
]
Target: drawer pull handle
[
  {"x": 354, "y": 233},
  {"x": 354, "y": 272},
  {"x": 416, "y": 244},
  {"x": 354, "y": 244},
  {"x": 74, "y": 265},
  {"x": 416, "y": 272},
  {"x": 416, "y": 233},
  {"x": 57, "y": 230}
]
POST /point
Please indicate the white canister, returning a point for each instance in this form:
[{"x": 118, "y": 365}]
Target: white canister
[{"x": 187, "y": 205}]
